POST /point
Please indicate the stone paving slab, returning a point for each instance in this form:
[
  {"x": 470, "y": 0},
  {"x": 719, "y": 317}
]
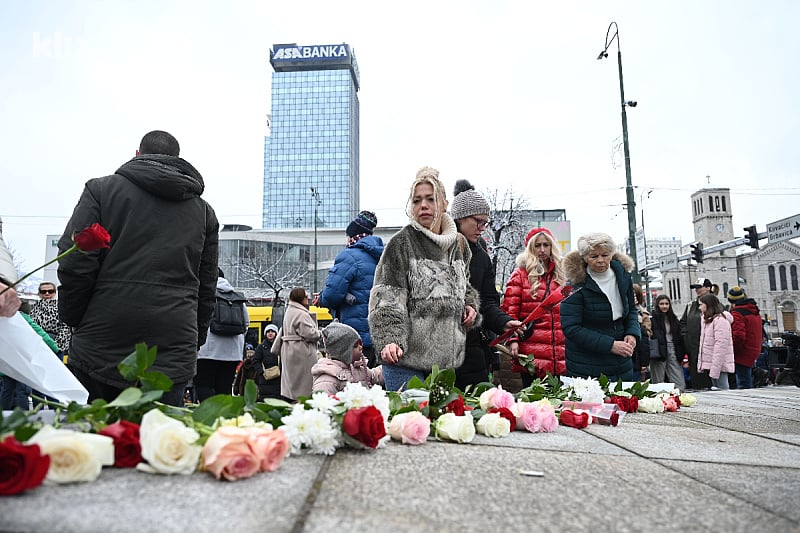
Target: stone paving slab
[
  {"x": 712, "y": 445},
  {"x": 466, "y": 488},
  {"x": 771, "y": 488},
  {"x": 123, "y": 500}
]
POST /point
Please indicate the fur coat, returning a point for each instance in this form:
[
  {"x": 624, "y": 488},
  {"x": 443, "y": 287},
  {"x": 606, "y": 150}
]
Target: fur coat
[
  {"x": 587, "y": 320},
  {"x": 420, "y": 291}
]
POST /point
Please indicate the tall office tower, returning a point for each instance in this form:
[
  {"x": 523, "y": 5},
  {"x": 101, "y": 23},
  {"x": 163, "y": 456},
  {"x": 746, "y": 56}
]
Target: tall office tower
[{"x": 311, "y": 160}]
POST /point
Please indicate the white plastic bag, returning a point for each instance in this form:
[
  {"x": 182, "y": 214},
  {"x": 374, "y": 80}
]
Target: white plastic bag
[{"x": 25, "y": 357}]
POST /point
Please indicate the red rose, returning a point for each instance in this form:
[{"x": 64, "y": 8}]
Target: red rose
[
  {"x": 92, "y": 238},
  {"x": 629, "y": 405},
  {"x": 21, "y": 467},
  {"x": 506, "y": 413},
  {"x": 456, "y": 407},
  {"x": 574, "y": 420},
  {"x": 127, "y": 448},
  {"x": 365, "y": 424}
]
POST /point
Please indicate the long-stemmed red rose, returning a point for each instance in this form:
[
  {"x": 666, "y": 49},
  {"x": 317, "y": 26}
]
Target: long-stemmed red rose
[
  {"x": 21, "y": 467},
  {"x": 89, "y": 239},
  {"x": 365, "y": 424}
]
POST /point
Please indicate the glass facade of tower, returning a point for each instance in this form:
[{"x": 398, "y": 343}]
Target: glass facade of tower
[{"x": 314, "y": 138}]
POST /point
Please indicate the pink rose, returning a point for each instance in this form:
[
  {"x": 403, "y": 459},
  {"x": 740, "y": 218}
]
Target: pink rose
[
  {"x": 270, "y": 447},
  {"x": 228, "y": 454},
  {"x": 496, "y": 398},
  {"x": 548, "y": 418},
  {"x": 410, "y": 428},
  {"x": 671, "y": 403},
  {"x": 528, "y": 416}
]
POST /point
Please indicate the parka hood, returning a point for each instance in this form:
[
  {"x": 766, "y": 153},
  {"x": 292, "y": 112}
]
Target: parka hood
[
  {"x": 371, "y": 244},
  {"x": 575, "y": 267},
  {"x": 165, "y": 176}
]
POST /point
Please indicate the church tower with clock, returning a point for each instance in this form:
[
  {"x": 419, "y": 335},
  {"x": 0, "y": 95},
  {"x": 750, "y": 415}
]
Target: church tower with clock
[{"x": 712, "y": 218}]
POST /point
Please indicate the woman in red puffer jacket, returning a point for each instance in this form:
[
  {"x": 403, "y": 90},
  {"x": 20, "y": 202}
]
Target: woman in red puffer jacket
[{"x": 538, "y": 266}]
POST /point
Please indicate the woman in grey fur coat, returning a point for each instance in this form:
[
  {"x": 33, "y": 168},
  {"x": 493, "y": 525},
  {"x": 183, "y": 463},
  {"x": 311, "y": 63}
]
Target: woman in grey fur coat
[{"x": 421, "y": 304}]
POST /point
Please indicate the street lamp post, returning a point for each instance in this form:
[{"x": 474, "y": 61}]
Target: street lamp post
[
  {"x": 317, "y": 201},
  {"x": 631, "y": 203}
]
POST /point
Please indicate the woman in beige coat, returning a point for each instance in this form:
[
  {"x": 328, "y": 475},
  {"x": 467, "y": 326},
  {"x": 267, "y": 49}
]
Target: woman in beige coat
[{"x": 298, "y": 346}]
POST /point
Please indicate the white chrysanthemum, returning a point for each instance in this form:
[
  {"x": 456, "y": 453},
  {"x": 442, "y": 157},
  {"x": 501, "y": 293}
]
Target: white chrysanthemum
[
  {"x": 380, "y": 400},
  {"x": 311, "y": 429},
  {"x": 323, "y": 402},
  {"x": 355, "y": 395},
  {"x": 588, "y": 390}
]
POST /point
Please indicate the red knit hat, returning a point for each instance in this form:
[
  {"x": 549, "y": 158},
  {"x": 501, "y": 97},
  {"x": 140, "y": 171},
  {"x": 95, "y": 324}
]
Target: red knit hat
[{"x": 536, "y": 231}]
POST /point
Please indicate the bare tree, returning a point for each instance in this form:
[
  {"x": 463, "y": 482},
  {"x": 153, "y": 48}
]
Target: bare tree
[
  {"x": 506, "y": 236},
  {"x": 266, "y": 271}
]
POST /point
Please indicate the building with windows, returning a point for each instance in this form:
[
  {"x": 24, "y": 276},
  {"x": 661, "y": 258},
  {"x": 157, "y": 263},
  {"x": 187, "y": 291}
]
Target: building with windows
[
  {"x": 311, "y": 155},
  {"x": 769, "y": 275}
]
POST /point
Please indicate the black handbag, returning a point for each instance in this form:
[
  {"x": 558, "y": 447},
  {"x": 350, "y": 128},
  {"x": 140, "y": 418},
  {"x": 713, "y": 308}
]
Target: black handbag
[{"x": 655, "y": 350}]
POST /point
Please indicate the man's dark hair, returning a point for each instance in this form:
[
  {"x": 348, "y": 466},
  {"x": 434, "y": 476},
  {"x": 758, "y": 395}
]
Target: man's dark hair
[{"x": 159, "y": 142}]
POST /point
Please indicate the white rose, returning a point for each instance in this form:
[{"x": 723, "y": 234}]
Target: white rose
[
  {"x": 485, "y": 398},
  {"x": 651, "y": 405},
  {"x": 494, "y": 425},
  {"x": 167, "y": 445},
  {"x": 74, "y": 456},
  {"x": 455, "y": 428},
  {"x": 687, "y": 400}
]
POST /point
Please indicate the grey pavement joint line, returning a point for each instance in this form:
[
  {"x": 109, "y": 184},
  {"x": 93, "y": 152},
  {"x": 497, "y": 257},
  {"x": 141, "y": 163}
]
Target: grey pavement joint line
[{"x": 311, "y": 497}]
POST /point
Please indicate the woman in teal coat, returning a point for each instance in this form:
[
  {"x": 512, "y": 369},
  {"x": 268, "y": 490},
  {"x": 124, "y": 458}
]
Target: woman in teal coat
[{"x": 600, "y": 319}]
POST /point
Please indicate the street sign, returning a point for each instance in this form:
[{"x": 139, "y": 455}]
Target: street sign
[
  {"x": 783, "y": 230},
  {"x": 641, "y": 249},
  {"x": 668, "y": 262}
]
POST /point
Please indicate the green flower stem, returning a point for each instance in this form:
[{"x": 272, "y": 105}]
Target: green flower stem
[{"x": 26, "y": 276}]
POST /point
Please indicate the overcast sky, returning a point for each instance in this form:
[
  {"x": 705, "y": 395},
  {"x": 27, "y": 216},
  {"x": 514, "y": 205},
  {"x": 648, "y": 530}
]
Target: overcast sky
[{"x": 508, "y": 95}]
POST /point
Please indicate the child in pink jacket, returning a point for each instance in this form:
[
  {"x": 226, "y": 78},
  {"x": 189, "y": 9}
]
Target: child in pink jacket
[
  {"x": 344, "y": 362},
  {"x": 716, "y": 344}
]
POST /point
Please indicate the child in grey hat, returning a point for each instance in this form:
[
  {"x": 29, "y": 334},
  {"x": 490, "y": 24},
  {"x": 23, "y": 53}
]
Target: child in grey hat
[{"x": 344, "y": 361}]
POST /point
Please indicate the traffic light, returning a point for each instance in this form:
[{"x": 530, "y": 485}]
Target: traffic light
[
  {"x": 697, "y": 252},
  {"x": 752, "y": 237}
]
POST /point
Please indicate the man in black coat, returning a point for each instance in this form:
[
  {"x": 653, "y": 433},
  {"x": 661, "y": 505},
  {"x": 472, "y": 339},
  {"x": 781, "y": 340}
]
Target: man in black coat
[{"x": 156, "y": 281}]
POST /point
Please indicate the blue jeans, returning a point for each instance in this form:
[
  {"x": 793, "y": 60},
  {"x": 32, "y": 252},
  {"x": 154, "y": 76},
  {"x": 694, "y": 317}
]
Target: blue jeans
[
  {"x": 395, "y": 377},
  {"x": 744, "y": 377},
  {"x": 14, "y": 394},
  {"x": 721, "y": 382}
]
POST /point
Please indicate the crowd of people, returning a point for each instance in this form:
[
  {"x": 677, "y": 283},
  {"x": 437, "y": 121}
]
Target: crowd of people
[{"x": 426, "y": 298}]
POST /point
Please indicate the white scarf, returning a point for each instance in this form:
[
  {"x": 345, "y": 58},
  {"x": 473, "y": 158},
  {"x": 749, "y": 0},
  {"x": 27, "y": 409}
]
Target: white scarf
[
  {"x": 446, "y": 239},
  {"x": 607, "y": 281}
]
